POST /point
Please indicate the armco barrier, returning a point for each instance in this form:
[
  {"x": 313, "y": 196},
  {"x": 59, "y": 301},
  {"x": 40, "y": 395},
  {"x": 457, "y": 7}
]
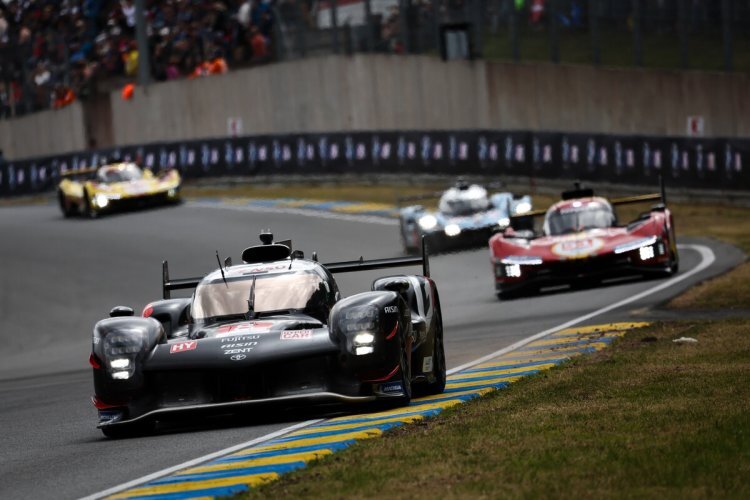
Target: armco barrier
[{"x": 692, "y": 163}]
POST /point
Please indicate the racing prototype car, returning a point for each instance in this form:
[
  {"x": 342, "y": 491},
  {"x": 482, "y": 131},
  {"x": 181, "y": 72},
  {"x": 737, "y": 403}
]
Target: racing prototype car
[
  {"x": 94, "y": 191},
  {"x": 467, "y": 215},
  {"x": 273, "y": 330},
  {"x": 582, "y": 242}
]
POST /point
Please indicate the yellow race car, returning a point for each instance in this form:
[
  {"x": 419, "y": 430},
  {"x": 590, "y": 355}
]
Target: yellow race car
[{"x": 117, "y": 186}]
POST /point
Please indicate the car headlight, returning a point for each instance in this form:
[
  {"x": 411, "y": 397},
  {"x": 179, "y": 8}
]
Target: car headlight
[
  {"x": 427, "y": 222},
  {"x": 513, "y": 271},
  {"x": 364, "y": 338},
  {"x": 358, "y": 320},
  {"x": 452, "y": 230},
  {"x": 101, "y": 200},
  {"x": 635, "y": 245},
  {"x": 522, "y": 260},
  {"x": 646, "y": 253},
  {"x": 522, "y": 208},
  {"x": 172, "y": 193},
  {"x": 120, "y": 352}
]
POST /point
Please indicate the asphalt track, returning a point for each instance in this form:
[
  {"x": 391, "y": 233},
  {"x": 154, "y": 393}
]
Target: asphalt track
[{"x": 58, "y": 277}]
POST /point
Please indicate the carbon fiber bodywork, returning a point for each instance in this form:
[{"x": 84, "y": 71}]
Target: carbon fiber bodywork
[{"x": 373, "y": 346}]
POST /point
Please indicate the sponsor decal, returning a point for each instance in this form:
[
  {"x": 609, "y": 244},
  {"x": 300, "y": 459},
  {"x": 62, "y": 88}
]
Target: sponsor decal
[
  {"x": 238, "y": 357},
  {"x": 242, "y": 328},
  {"x": 265, "y": 269},
  {"x": 577, "y": 248},
  {"x": 243, "y": 338},
  {"x": 110, "y": 416},
  {"x": 241, "y": 350},
  {"x": 427, "y": 364},
  {"x": 390, "y": 309},
  {"x": 237, "y": 345},
  {"x": 391, "y": 387},
  {"x": 183, "y": 346},
  {"x": 296, "y": 334}
]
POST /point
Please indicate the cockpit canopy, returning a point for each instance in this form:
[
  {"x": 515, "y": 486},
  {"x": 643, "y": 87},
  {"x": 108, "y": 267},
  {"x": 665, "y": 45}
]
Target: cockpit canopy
[
  {"x": 121, "y": 172},
  {"x": 464, "y": 200},
  {"x": 579, "y": 215},
  {"x": 299, "y": 291}
]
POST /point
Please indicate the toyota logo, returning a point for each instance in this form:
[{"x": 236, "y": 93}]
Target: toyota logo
[{"x": 238, "y": 357}]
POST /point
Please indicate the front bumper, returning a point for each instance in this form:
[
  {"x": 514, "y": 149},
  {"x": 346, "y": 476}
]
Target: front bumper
[
  {"x": 571, "y": 272},
  {"x": 116, "y": 204},
  {"x": 467, "y": 238}
]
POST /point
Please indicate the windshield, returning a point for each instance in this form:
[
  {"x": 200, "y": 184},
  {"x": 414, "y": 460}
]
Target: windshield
[
  {"x": 120, "y": 173},
  {"x": 300, "y": 291},
  {"x": 574, "y": 220},
  {"x": 464, "y": 202}
]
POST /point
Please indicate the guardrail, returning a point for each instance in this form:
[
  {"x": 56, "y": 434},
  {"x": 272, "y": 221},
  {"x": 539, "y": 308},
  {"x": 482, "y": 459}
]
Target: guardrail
[{"x": 717, "y": 163}]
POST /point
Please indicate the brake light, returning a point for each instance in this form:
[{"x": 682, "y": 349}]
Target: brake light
[
  {"x": 94, "y": 361},
  {"x": 101, "y": 405},
  {"x": 147, "y": 311}
]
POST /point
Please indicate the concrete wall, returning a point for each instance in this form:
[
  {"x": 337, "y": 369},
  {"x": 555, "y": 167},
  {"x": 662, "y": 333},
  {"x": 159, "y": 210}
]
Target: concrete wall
[
  {"x": 385, "y": 92},
  {"x": 45, "y": 133},
  {"x": 369, "y": 92}
]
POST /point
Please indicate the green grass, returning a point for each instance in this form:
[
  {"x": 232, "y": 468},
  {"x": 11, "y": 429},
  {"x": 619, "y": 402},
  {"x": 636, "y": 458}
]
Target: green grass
[{"x": 648, "y": 418}]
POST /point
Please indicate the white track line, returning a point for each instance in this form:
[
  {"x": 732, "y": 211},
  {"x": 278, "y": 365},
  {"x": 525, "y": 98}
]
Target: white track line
[
  {"x": 200, "y": 460},
  {"x": 707, "y": 258},
  {"x": 305, "y": 212}
]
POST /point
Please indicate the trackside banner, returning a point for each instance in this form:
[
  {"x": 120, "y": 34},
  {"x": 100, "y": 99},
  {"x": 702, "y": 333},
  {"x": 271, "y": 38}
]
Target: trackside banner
[{"x": 695, "y": 163}]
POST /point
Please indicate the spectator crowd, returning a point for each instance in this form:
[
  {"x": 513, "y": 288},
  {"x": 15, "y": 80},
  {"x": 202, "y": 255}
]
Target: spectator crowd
[{"x": 55, "y": 51}]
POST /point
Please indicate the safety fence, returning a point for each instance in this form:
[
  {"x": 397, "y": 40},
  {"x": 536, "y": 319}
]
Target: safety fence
[{"x": 694, "y": 163}]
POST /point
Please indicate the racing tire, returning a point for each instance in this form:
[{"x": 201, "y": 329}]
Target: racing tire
[
  {"x": 405, "y": 370},
  {"x": 437, "y": 386},
  {"x": 66, "y": 209}
]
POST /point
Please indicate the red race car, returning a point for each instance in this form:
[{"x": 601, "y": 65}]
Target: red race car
[{"x": 582, "y": 242}]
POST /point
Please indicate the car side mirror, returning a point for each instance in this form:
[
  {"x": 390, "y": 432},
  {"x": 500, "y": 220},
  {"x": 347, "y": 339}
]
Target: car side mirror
[{"x": 120, "y": 311}]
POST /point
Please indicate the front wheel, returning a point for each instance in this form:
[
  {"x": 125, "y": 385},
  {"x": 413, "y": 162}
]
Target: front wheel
[
  {"x": 88, "y": 208},
  {"x": 436, "y": 383},
  {"x": 65, "y": 207},
  {"x": 405, "y": 370}
]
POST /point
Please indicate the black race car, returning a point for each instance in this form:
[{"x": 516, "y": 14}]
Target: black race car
[{"x": 272, "y": 330}]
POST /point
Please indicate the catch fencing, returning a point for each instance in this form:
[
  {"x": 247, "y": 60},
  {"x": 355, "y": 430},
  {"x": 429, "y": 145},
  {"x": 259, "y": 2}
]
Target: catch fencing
[{"x": 616, "y": 159}]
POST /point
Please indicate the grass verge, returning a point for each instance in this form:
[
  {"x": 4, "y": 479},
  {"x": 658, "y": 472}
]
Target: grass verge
[{"x": 648, "y": 418}]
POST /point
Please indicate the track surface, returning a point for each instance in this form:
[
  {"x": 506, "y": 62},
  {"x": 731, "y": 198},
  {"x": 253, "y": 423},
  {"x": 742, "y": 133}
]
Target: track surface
[{"x": 58, "y": 277}]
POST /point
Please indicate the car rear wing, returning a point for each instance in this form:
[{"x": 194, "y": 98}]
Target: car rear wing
[
  {"x": 401, "y": 200},
  {"x": 168, "y": 284},
  {"x": 526, "y": 219},
  {"x": 79, "y": 172},
  {"x": 368, "y": 265}
]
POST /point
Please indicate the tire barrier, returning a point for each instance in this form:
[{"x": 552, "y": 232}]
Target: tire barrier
[{"x": 686, "y": 162}]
